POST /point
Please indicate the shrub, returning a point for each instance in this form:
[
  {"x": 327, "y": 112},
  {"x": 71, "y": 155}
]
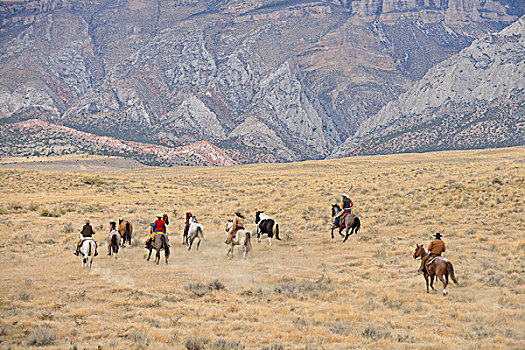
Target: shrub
[
  {"x": 42, "y": 336},
  {"x": 92, "y": 180},
  {"x": 138, "y": 338},
  {"x": 374, "y": 332},
  {"x": 68, "y": 227},
  {"x": 200, "y": 289},
  {"x": 33, "y": 206},
  {"x": 222, "y": 344},
  {"x": 196, "y": 343},
  {"x": 55, "y": 213}
]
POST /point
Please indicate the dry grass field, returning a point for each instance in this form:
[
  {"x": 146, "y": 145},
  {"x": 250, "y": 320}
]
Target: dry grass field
[{"x": 304, "y": 292}]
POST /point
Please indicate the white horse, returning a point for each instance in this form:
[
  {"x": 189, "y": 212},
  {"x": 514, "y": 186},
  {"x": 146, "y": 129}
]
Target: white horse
[
  {"x": 87, "y": 250},
  {"x": 195, "y": 230},
  {"x": 242, "y": 238}
]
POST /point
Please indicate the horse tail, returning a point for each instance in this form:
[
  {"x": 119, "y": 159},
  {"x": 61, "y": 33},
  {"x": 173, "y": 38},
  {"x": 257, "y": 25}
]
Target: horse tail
[
  {"x": 166, "y": 246},
  {"x": 276, "y": 231},
  {"x": 200, "y": 231},
  {"x": 450, "y": 271},
  {"x": 128, "y": 228},
  {"x": 357, "y": 224}
]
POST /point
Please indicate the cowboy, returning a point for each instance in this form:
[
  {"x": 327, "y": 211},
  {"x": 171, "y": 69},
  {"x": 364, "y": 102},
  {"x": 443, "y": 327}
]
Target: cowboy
[
  {"x": 346, "y": 205},
  {"x": 159, "y": 226},
  {"x": 436, "y": 247},
  {"x": 238, "y": 224},
  {"x": 87, "y": 232}
]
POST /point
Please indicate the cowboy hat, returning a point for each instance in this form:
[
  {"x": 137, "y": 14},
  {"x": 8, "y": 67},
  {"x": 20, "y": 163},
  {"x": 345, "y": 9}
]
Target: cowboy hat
[
  {"x": 345, "y": 195},
  {"x": 437, "y": 235}
]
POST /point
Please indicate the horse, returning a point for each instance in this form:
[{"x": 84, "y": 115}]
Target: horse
[
  {"x": 438, "y": 267},
  {"x": 195, "y": 230},
  {"x": 160, "y": 242},
  {"x": 242, "y": 238},
  {"x": 113, "y": 243},
  {"x": 266, "y": 225},
  {"x": 87, "y": 250},
  {"x": 125, "y": 228},
  {"x": 346, "y": 221}
]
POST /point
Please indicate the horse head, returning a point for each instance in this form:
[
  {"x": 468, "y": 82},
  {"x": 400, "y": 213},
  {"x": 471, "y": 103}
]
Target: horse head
[
  {"x": 120, "y": 221},
  {"x": 419, "y": 252},
  {"x": 335, "y": 209},
  {"x": 192, "y": 220},
  {"x": 258, "y": 216},
  {"x": 80, "y": 235},
  {"x": 166, "y": 219},
  {"x": 229, "y": 225}
]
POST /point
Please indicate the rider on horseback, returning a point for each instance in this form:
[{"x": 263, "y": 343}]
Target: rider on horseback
[
  {"x": 87, "y": 232},
  {"x": 238, "y": 224},
  {"x": 159, "y": 226},
  {"x": 346, "y": 205},
  {"x": 436, "y": 247}
]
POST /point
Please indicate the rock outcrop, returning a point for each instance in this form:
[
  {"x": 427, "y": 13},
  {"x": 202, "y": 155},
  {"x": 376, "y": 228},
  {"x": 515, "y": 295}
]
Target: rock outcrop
[{"x": 473, "y": 99}]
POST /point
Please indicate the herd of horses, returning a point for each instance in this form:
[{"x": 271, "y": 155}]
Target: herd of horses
[{"x": 439, "y": 267}]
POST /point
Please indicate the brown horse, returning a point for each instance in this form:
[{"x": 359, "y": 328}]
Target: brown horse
[
  {"x": 125, "y": 228},
  {"x": 186, "y": 227},
  {"x": 439, "y": 267},
  {"x": 348, "y": 221}
]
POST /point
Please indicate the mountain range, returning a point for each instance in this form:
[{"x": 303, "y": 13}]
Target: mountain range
[{"x": 218, "y": 82}]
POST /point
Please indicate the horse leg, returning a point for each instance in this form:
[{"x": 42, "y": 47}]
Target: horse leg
[
  {"x": 157, "y": 257},
  {"x": 440, "y": 276},
  {"x": 231, "y": 249},
  {"x": 190, "y": 243},
  {"x": 149, "y": 255},
  {"x": 426, "y": 280},
  {"x": 348, "y": 234},
  {"x": 270, "y": 241},
  {"x": 244, "y": 251},
  {"x": 340, "y": 232},
  {"x": 332, "y": 233},
  {"x": 198, "y": 242},
  {"x": 432, "y": 283}
]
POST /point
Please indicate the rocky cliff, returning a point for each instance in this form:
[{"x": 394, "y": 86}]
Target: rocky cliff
[
  {"x": 473, "y": 99},
  {"x": 261, "y": 80}
]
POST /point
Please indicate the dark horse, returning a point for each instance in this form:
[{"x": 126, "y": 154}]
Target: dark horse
[
  {"x": 125, "y": 228},
  {"x": 346, "y": 221},
  {"x": 160, "y": 243},
  {"x": 439, "y": 267}
]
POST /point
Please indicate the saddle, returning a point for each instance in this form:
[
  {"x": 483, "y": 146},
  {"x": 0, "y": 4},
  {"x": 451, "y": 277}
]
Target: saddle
[
  {"x": 343, "y": 216},
  {"x": 431, "y": 260}
]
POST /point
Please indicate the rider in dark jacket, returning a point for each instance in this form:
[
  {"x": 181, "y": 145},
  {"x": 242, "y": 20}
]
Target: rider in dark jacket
[
  {"x": 346, "y": 205},
  {"x": 87, "y": 232}
]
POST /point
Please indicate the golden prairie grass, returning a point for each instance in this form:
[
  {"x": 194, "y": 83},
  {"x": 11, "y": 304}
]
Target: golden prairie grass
[{"x": 304, "y": 292}]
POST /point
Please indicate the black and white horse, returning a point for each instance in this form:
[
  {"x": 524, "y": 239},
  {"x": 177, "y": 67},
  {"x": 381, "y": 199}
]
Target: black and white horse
[{"x": 266, "y": 226}]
